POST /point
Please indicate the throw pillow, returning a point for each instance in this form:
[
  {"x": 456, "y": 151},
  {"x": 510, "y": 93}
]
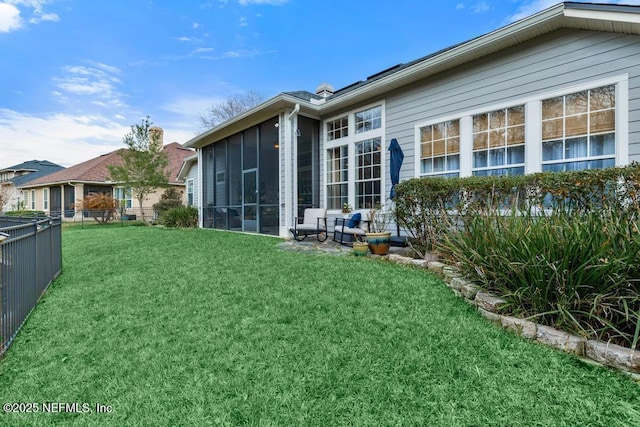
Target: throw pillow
[{"x": 354, "y": 220}]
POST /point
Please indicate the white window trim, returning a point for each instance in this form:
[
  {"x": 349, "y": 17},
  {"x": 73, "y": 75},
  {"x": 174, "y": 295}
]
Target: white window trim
[
  {"x": 45, "y": 199},
  {"x": 533, "y": 124},
  {"x": 350, "y": 141}
]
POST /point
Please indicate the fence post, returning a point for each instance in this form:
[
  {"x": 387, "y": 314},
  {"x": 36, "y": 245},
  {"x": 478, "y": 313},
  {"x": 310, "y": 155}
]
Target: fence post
[
  {"x": 3, "y": 237},
  {"x": 35, "y": 261}
]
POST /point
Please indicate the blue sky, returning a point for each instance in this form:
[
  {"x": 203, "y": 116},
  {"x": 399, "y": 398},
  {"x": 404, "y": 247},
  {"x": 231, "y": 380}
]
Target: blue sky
[{"x": 76, "y": 74}]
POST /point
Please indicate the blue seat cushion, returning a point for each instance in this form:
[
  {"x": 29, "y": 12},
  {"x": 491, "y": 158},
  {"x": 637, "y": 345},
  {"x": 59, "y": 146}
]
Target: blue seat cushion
[{"x": 354, "y": 220}]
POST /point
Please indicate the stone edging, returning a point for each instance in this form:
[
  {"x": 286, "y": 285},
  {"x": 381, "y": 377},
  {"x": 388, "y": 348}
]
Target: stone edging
[{"x": 602, "y": 353}]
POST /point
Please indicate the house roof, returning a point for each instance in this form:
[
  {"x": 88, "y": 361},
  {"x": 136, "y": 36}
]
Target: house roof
[
  {"x": 581, "y": 16},
  {"x": 187, "y": 163},
  {"x": 32, "y": 169},
  {"x": 95, "y": 171}
]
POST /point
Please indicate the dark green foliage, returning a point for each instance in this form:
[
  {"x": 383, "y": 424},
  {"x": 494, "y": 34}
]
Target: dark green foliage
[
  {"x": 24, "y": 213},
  {"x": 143, "y": 167},
  {"x": 560, "y": 247},
  {"x": 170, "y": 199},
  {"x": 180, "y": 217}
]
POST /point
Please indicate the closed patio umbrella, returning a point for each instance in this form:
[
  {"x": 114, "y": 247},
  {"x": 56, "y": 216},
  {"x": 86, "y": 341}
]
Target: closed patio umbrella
[{"x": 396, "y": 158}]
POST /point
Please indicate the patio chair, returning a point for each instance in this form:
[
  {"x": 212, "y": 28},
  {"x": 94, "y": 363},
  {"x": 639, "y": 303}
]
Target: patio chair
[
  {"x": 346, "y": 229},
  {"x": 313, "y": 222}
]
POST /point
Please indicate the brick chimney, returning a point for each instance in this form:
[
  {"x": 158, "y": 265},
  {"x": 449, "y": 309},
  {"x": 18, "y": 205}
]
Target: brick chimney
[{"x": 156, "y": 134}]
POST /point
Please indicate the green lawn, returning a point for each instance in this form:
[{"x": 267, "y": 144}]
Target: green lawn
[{"x": 198, "y": 327}]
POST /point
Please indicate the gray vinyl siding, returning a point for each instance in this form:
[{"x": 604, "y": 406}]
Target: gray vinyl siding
[{"x": 553, "y": 62}]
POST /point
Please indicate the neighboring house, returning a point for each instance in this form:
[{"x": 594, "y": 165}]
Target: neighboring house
[
  {"x": 15, "y": 176},
  {"x": 559, "y": 90},
  {"x": 189, "y": 174},
  {"x": 64, "y": 191}
]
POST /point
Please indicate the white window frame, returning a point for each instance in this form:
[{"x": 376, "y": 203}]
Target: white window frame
[
  {"x": 351, "y": 139},
  {"x": 33, "y": 200},
  {"x": 533, "y": 124},
  {"x": 45, "y": 199}
]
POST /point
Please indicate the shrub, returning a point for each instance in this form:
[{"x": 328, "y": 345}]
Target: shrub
[
  {"x": 575, "y": 272},
  {"x": 25, "y": 213},
  {"x": 562, "y": 248},
  {"x": 170, "y": 199},
  {"x": 101, "y": 206},
  {"x": 180, "y": 217}
]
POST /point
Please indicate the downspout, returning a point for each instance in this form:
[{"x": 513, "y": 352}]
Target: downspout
[
  {"x": 290, "y": 169},
  {"x": 74, "y": 205}
]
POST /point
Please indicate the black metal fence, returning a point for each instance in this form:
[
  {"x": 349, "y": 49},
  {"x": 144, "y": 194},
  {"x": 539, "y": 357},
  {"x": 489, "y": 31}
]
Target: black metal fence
[{"x": 30, "y": 259}]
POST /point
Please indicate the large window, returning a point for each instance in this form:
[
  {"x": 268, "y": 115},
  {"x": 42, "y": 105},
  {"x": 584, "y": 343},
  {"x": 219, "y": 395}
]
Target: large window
[
  {"x": 578, "y": 130},
  {"x": 498, "y": 142},
  {"x": 338, "y": 128},
  {"x": 369, "y": 119},
  {"x": 368, "y": 173},
  {"x": 337, "y": 177},
  {"x": 355, "y": 158},
  {"x": 45, "y": 199},
  {"x": 440, "y": 149},
  {"x": 123, "y": 196}
]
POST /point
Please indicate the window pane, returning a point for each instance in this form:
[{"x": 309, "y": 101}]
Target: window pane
[
  {"x": 552, "y": 108},
  {"x": 480, "y": 159},
  {"x": 552, "y": 150},
  {"x": 515, "y": 116},
  {"x": 453, "y": 145},
  {"x": 496, "y": 157},
  {"x": 552, "y": 129},
  {"x": 426, "y": 166},
  {"x": 515, "y": 135},
  {"x": 577, "y": 103},
  {"x": 427, "y": 149},
  {"x": 480, "y": 140},
  {"x": 480, "y": 123},
  {"x": 603, "y": 121},
  {"x": 438, "y": 164},
  {"x": 438, "y": 147},
  {"x": 496, "y": 119},
  {"x": 603, "y": 144},
  {"x": 515, "y": 155},
  {"x": 425, "y": 134},
  {"x": 576, "y": 148},
  {"x": 496, "y": 138},
  {"x": 603, "y": 98},
  {"x": 576, "y": 125}
]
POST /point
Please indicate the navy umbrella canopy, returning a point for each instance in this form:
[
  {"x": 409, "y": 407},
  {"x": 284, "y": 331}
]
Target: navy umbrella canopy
[{"x": 396, "y": 158}]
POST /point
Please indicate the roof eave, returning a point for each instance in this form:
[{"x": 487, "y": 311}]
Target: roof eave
[
  {"x": 562, "y": 15},
  {"x": 255, "y": 115}
]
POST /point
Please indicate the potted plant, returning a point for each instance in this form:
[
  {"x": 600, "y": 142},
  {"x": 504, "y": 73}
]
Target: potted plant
[
  {"x": 360, "y": 247},
  {"x": 379, "y": 239},
  {"x": 346, "y": 210}
]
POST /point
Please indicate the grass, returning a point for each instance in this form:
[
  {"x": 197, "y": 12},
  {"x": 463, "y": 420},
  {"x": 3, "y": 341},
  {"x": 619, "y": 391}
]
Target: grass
[{"x": 198, "y": 327}]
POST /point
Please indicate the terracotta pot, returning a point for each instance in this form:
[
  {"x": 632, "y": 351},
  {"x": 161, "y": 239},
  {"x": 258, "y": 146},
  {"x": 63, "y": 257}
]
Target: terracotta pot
[{"x": 379, "y": 243}]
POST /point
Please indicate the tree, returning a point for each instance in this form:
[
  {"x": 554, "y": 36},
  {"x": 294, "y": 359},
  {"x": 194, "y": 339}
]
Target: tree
[
  {"x": 230, "y": 108},
  {"x": 101, "y": 206},
  {"x": 144, "y": 163},
  {"x": 170, "y": 199}
]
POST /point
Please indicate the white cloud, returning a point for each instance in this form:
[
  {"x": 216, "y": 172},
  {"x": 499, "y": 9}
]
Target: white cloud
[
  {"x": 10, "y": 11},
  {"x": 98, "y": 81},
  {"x": 243, "y": 21},
  {"x": 60, "y": 138},
  {"x": 460, "y": 6},
  {"x": 67, "y": 139},
  {"x": 480, "y": 7},
  {"x": 203, "y": 49},
  {"x": 196, "y": 25},
  {"x": 9, "y": 18}
]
